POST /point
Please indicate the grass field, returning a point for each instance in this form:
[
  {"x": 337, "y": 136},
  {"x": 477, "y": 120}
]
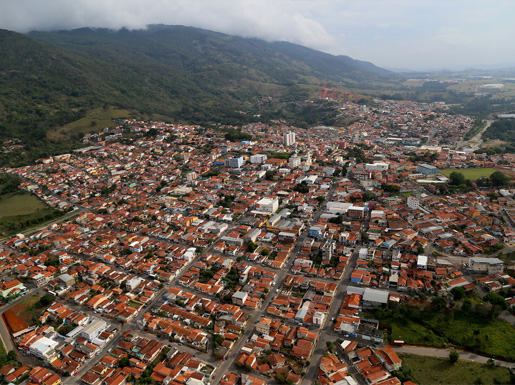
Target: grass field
[
  {"x": 470, "y": 173},
  {"x": 413, "y": 333},
  {"x": 95, "y": 120},
  {"x": 21, "y": 210},
  {"x": 471, "y": 332},
  {"x": 135, "y": 304},
  {"x": 432, "y": 371},
  {"x": 491, "y": 336},
  {"x": 22, "y": 203}
]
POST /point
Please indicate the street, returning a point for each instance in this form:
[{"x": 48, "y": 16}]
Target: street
[{"x": 444, "y": 353}]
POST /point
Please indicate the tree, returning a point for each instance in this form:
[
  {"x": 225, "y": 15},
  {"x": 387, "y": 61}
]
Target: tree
[
  {"x": 496, "y": 299},
  {"x": 467, "y": 305},
  {"x": 439, "y": 303},
  {"x": 457, "y": 178},
  {"x": 499, "y": 179},
  {"x": 302, "y": 187},
  {"x": 368, "y": 196},
  {"x": 251, "y": 247},
  {"x": 11, "y": 356},
  {"x": 320, "y": 199},
  {"x": 46, "y": 300},
  {"x": 458, "y": 293},
  {"x": 269, "y": 175},
  {"x": 454, "y": 356},
  {"x": 123, "y": 362}
]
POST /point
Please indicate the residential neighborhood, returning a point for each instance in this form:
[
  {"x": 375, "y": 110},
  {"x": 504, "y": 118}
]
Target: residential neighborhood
[{"x": 189, "y": 257}]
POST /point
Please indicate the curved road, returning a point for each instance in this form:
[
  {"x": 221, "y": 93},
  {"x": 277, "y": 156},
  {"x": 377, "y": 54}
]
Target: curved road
[
  {"x": 476, "y": 141},
  {"x": 444, "y": 353}
]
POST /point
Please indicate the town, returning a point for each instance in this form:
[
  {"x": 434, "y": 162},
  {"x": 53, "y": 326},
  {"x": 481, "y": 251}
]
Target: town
[{"x": 261, "y": 254}]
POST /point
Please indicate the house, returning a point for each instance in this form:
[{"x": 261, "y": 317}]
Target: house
[
  {"x": 389, "y": 358},
  {"x": 12, "y": 288},
  {"x": 263, "y": 326}
]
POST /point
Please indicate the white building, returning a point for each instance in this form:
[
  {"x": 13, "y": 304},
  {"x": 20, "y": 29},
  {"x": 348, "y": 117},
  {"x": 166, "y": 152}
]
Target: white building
[
  {"x": 337, "y": 207},
  {"x": 422, "y": 262},
  {"x": 133, "y": 283},
  {"x": 191, "y": 176},
  {"x": 318, "y": 318},
  {"x": 268, "y": 205},
  {"x": 240, "y": 297},
  {"x": 413, "y": 202},
  {"x": 377, "y": 166},
  {"x": 486, "y": 265},
  {"x": 258, "y": 158},
  {"x": 44, "y": 348},
  {"x": 289, "y": 138},
  {"x": 93, "y": 330},
  {"x": 294, "y": 161},
  {"x": 374, "y": 297}
]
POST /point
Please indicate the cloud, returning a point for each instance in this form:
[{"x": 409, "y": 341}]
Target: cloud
[
  {"x": 268, "y": 20},
  {"x": 417, "y": 34}
]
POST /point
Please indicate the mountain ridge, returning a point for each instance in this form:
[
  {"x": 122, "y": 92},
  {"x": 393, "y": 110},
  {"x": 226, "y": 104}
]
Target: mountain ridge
[{"x": 183, "y": 73}]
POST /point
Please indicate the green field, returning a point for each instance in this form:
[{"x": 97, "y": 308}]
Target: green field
[
  {"x": 94, "y": 121},
  {"x": 20, "y": 210},
  {"x": 470, "y": 332},
  {"x": 21, "y": 203},
  {"x": 135, "y": 304},
  {"x": 431, "y": 371},
  {"x": 413, "y": 333},
  {"x": 470, "y": 173}
]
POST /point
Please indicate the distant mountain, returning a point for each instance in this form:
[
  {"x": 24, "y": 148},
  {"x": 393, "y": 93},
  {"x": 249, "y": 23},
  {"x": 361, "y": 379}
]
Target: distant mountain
[{"x": 53, "y": 78}]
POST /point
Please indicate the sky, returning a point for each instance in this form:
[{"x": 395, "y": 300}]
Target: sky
[{"x": 403, "y": 34}]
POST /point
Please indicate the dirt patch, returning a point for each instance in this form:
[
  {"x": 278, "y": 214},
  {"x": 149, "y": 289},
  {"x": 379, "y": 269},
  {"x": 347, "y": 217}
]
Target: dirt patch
[
  {"x": 14, "y": 323},
  {"x": 26, "y": 309}
]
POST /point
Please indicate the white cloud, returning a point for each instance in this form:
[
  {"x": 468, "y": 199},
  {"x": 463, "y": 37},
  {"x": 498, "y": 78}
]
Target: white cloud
[
  {"x": 414, "y": 34},
  {"x": 263, "y": 19}
]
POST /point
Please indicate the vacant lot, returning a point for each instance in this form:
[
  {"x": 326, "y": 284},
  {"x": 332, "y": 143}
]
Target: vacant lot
[
  {"x": 413, "y": 333},
  {"x": 470, "y": 173},
  {"x": 431, "y": 371},
  {"x": 20, "y": 203},
  {"x": 28, "y": 309}
]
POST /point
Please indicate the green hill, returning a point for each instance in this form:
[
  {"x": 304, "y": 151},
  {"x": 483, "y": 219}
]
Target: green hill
[{"x": 51, "y": 79}]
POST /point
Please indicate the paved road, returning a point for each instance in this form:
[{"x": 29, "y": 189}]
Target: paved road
[
  {"x": 224, "y": 367},
  {"x": 444, "y": 353},
  {"x": 327, "y": 332},
  {"x": 475, "y": 142}
]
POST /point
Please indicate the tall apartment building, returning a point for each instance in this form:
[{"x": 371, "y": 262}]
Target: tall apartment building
[{"x": 289, "y": 138}]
